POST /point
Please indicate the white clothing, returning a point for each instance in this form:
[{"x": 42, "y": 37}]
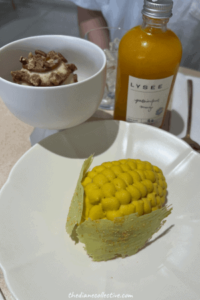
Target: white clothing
[{"x": 185, "y": 22}]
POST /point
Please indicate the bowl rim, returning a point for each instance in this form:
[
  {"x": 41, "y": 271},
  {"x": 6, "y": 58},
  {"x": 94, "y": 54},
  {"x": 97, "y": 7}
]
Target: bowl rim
[{"x": 59, "y": 86}]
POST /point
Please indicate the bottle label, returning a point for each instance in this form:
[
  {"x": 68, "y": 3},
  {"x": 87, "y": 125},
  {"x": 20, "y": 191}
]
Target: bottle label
[{"x": 147, "y": 100}]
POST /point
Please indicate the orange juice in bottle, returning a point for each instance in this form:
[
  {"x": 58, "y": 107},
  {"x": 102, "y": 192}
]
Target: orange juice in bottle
[{"x": 148, "y": 61}]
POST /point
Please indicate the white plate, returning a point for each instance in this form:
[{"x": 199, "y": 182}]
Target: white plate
[{"x": 39, "y": 259}]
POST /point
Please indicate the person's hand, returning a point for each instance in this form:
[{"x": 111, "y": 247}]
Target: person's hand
[{"x": 90, "y": 19}]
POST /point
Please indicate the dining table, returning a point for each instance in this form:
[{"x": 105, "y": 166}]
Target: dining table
[{"x": 17, "y": 137}]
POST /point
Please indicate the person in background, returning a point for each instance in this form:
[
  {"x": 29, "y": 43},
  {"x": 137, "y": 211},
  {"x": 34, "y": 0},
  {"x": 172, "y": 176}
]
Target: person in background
[{"x": 126, "y": 14}]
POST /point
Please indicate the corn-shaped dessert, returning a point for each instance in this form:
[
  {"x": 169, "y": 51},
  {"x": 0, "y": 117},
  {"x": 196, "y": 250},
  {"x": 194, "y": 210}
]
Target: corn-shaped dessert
[
  {"x": 120, "y": 188},
  {"x": 117, "y": 207}
]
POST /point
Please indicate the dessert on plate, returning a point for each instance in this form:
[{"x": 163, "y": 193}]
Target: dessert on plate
[
  {"x": 45, "y": 69},
  {"x": 117, "y": 207}
]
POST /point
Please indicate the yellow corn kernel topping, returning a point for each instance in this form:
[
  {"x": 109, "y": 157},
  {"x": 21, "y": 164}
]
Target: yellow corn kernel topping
[{"x": 120, "y": 188}]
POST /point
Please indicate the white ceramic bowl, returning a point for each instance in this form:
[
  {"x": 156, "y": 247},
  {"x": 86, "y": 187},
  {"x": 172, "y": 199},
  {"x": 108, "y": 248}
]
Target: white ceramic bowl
[{"x": 54, "y": 107}]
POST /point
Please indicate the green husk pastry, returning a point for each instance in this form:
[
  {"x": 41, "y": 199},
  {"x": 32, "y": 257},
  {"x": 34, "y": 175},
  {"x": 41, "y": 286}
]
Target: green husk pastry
[{"x": 117, "y": 207}]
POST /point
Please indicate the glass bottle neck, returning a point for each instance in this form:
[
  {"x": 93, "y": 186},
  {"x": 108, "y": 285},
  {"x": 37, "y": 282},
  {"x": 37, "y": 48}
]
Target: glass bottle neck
[{"x": 155, "y": 23}]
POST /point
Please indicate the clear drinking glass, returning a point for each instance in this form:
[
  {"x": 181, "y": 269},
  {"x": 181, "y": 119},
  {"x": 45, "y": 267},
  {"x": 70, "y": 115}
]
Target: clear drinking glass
[{"x": 108, "y": 39}]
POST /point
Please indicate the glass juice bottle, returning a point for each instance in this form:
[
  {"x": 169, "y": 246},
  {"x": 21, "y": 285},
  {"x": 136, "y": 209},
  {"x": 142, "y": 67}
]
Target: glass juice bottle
[{"x": 148, "y": 61}]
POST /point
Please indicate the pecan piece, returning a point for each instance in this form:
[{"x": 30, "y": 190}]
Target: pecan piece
[
  {"x": 52, "y": 54},
  {"x": 55, "y": 78},
  {"x": 75, "y": 78},
  {"x": 39, "y": 65},
  {"x": 40, "y": 52},
  {"x": 72, "y": 67},
  {"x": 16, "y": 75},
  {"x": 62, "y": 57},
  {"x": 23, "y": 60},
  {"x": 35, "y": 80}
]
